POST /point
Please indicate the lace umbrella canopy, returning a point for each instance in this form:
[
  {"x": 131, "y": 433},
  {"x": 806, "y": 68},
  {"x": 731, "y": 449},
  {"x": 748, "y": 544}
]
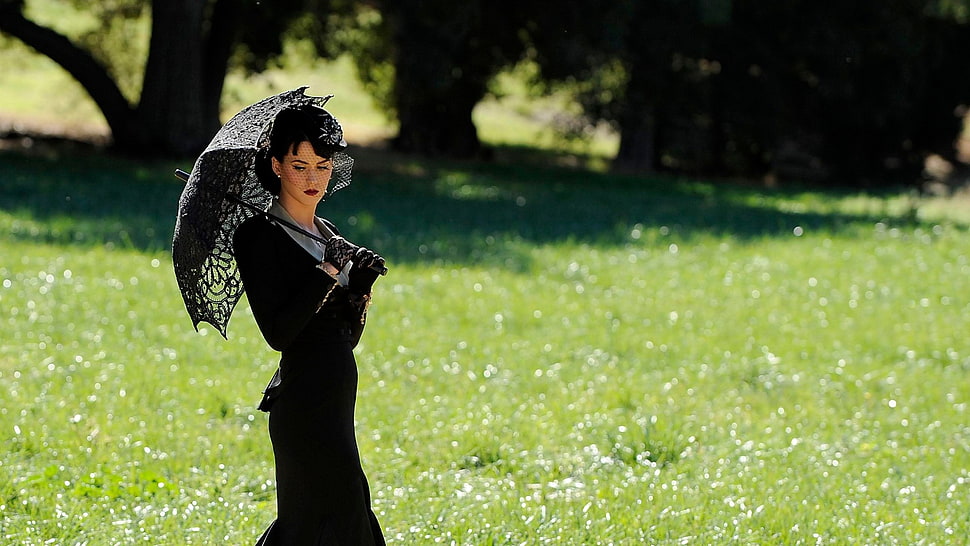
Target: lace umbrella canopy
[{"x": 221, "y": 192}]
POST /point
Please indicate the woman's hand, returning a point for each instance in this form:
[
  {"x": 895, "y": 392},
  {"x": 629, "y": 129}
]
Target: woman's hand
[
  {"x": 364, "y": 273},
  {"x": 339, "y": 251}
]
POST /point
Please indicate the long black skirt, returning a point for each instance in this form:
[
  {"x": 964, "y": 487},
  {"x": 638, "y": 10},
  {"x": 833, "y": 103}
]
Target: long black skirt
[{"x": 322, "y": 494}]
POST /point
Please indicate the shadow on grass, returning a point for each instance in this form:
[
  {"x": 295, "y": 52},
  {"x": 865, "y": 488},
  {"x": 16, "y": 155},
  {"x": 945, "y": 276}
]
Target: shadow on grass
[{"x": 411, "y": 210}]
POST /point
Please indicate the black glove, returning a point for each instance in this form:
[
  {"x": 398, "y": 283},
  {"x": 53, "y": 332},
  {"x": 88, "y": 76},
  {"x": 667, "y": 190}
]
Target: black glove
[
  {"x": 363, "y": 273},
  {"x": 339, "y": 251}
]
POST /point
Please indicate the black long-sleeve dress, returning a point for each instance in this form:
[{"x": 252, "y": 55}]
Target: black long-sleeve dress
[{"x": 322, "y": 493}]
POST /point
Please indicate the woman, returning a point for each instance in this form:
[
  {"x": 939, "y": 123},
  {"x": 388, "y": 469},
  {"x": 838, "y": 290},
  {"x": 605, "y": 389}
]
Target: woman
[{"x": 310, "y": 301}]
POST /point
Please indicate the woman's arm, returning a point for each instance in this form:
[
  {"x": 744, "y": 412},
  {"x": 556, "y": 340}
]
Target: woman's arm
[{"x": 283, "y": 296}]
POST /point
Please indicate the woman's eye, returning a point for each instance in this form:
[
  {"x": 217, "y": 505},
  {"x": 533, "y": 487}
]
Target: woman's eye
[{"x": 299, "y": 168}]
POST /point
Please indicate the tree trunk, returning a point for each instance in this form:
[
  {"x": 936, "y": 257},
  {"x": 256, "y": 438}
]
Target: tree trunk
[
  {"x": 438, "y": 78},
  {"x": 222, "y": 36},
  {"x": 637, "y": 148},
  {"x": 172, "y": 112},
  {"x": 638, "y": 124},
  {"x": 437, "y": 124}
]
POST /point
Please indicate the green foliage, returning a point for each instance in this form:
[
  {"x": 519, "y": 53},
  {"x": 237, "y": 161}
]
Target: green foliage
[
  {"x": 956, "y": 9},
  {"x": 857, "y": 93},
  {"x": 556, "y": 357},
  {"x": 263, "y": 29},
  {"x": 357, "y": 31}
]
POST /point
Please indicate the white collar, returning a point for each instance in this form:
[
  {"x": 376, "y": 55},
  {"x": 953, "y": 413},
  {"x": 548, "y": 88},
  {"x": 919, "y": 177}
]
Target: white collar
[{"x": 314, "y": 247}]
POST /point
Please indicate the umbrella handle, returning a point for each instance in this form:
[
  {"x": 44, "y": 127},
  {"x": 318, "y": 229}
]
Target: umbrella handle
[{"x": 184, "y": 177}]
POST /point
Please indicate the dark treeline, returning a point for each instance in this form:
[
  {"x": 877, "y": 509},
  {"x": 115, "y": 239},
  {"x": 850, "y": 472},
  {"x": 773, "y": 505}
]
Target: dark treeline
[{"x": 858, "y": 92}]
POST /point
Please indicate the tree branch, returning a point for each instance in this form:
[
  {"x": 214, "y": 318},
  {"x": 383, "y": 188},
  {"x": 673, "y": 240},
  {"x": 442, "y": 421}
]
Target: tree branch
[{"x": 91, "y": 74}]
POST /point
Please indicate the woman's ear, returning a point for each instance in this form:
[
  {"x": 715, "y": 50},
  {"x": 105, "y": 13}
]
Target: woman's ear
[{"x": 276, "y": 165}]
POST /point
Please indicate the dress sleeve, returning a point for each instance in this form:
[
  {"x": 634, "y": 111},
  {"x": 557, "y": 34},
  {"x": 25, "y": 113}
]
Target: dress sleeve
[
  {"x": 283, "y": 296},
  {"x": 358, "y": 311}
]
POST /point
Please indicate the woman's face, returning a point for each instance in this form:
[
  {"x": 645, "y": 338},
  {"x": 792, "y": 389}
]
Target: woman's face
[{"x": 304, "y": 176}]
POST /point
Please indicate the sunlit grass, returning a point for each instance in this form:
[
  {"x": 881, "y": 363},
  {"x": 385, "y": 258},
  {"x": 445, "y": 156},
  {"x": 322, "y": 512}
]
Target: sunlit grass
[
  {"x": 545, "y": 364},
  {"x": 557, "y": 357}
]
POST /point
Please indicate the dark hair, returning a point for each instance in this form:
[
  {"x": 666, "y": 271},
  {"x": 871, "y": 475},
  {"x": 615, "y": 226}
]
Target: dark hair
[{"x": 291, "y": 127}]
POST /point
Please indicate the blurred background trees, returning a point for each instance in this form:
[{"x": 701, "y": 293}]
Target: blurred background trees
[{"x": 860, "y": 92}]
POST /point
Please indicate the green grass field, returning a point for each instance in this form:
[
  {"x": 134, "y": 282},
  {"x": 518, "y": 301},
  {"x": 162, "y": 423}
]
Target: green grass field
[{"x": 555, "y": 357}]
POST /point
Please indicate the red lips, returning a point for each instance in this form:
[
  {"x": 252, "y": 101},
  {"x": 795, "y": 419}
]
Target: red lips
[{"x": 312, "y": 193}]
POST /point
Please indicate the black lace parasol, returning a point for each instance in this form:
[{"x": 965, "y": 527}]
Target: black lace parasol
[{"x": 221, "y": 192}]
